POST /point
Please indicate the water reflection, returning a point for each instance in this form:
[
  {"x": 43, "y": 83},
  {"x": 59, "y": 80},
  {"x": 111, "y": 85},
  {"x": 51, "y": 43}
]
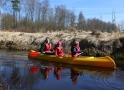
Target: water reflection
[
  {"x": 57, "y": 72},
  {"x": 34, "y": 67},
  {"x": 74, "y": 75},
  {"x": 45, "y": 69},
  {"x": 15, "y": 76},
  {"x": 23, "y": 74}
]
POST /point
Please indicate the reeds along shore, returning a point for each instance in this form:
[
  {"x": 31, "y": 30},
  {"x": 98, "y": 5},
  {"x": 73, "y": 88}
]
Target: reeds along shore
[{"x": 93, "y": 43}]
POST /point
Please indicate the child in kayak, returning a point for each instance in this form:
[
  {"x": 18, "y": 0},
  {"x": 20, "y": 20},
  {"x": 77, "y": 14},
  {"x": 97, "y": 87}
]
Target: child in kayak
[
  {"x": 58, "y": 50},
  {"x": 75, "y": 50}
]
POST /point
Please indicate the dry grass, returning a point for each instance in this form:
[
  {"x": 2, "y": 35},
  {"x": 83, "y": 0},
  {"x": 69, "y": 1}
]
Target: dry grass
[{"x": 29, "y": 39}]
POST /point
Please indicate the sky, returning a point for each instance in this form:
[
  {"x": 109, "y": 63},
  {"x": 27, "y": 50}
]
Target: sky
[{"x": 101, "y": 9}]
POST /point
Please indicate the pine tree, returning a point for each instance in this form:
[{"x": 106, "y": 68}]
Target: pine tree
[{"x": 16, "y": 9}]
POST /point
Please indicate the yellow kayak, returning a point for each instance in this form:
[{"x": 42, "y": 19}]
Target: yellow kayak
[{"x": 84, "y": 60}]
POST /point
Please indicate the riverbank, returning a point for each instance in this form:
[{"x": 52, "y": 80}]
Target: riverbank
[{"x": 93, "y": 43}]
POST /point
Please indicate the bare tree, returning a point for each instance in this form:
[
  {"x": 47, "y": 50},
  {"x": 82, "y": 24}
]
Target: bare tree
[
  {"x": 70, "y": 19},
  {"x": 60, "y": 14},
  {"x": 30, "y": 13},
  {"x": 7, "y": 21},
  {"x": 51, "y": 20},
  {"x": 81, "y": 22},
  {"x": 121, "y": 25},
  {"x": 44, "y": 10},
  {"x": 2, "y": 5},
  {"x": 38, "y": 16},
  {"x": 31, "y": 4}
]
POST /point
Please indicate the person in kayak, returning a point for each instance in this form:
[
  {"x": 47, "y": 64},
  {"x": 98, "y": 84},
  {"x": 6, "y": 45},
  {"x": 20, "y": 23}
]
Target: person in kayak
[
  {"x": 75, "y": 50},
  {"x": 46, "y": 47},
  {"x": 56, "y": 45},
  {"x": 58, "y": 50}
]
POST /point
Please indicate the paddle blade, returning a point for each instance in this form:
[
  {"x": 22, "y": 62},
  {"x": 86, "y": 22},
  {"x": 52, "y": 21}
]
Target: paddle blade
[
  {"x": 34, "y": 69},
  {"x": 33, "y": 54}
]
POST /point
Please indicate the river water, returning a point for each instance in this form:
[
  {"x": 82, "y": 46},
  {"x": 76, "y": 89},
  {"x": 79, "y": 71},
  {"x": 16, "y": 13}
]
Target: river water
[{"x": 17, "y": 72}]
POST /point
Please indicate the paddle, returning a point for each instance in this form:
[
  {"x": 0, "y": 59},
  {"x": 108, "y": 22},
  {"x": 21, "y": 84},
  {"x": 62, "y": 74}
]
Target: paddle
[{"x": 80, "y": 54}]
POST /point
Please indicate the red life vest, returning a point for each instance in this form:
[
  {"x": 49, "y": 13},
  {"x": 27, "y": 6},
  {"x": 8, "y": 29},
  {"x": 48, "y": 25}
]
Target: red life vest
[
  {"x": 59, "y": 51},
  {"x": 48, "y": 47},
  {"x": 77, "y": 49}
]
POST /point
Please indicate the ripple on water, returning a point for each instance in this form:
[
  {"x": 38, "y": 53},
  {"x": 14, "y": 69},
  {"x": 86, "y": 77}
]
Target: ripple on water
[{"x": 115, "y": 80}]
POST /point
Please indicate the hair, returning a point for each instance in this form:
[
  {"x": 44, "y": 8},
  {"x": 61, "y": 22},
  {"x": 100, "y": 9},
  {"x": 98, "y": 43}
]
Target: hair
[
  {"x": 46, "y": 39},
  {"x": 76, "y": 42},
  {"x": 59, "y": 42}
]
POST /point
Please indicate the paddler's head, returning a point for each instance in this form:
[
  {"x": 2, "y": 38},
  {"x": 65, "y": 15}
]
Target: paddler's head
[
  {"x": 76, "y": 43},
  {"x": 47, "y": 40}
]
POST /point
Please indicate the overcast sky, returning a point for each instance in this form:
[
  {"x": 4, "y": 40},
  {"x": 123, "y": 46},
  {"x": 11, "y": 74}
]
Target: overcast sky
[{"x": 101, "y": 9}]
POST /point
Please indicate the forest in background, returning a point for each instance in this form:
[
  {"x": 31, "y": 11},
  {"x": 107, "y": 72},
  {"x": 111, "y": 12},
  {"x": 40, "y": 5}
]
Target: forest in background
[{"x": 39, "y": 15}]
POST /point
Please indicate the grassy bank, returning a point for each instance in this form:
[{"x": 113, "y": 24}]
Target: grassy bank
[
  {"x": 93, "y": 43},
  {"x": 26, "y": 41}
]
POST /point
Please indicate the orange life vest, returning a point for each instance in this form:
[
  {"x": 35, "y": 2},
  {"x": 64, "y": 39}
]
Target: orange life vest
[{"x": 48, "y": 47}]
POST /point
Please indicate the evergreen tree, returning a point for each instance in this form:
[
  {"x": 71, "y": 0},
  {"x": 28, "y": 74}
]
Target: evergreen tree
[{"x": 16, "y": 9}]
